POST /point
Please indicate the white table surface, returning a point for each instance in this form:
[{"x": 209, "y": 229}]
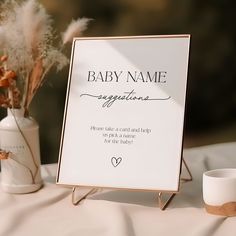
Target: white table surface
[{"x": 119, "y": 213}]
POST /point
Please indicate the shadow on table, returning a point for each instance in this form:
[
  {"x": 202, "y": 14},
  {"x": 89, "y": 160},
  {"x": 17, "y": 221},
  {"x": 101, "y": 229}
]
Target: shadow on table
[{"x": 190, "y": 195}]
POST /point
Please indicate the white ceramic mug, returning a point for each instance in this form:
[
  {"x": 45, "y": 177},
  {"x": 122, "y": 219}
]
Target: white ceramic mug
[{"x": 219, "y": 191}]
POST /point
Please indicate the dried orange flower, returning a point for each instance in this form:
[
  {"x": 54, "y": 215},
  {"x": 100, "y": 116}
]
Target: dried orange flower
[
  {"x": 4, "y": 155},
  {"x": 4, "y": 101},
  {"x": 4, "y": 83},
  {"x": 3, "y": 58},
  {"x": 9, "y": 74},
  {"x": 12, "y": 96}
]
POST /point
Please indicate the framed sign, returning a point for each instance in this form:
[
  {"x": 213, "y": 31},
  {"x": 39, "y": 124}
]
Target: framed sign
[{"x": 124, "y": 113}]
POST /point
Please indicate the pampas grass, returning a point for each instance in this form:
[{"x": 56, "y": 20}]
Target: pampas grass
[
  {"x": 75, "y": 29},
  {"x": 26, "y": 37}
]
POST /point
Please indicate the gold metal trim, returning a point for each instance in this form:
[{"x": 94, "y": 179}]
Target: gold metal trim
[{"x": 134, "y": 37}]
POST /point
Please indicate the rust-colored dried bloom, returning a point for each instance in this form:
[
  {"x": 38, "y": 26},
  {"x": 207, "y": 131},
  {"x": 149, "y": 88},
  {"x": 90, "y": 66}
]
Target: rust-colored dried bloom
[
  {"x": 11, "y": 98},
  {"x": 4, "y": 101},
  {"x": 4, "y": 83},
  {"x": 9, "y": 74},
  {"x": 4, "y": 155},
  {"x": 3, "y": 58}
]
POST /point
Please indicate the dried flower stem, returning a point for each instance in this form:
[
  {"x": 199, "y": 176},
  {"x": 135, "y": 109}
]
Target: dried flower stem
[
  {"x": 29, "y": 147},
  {"x": 26, "y": 167}
]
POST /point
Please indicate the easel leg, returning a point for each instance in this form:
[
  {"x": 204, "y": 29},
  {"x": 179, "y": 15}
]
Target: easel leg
[
  {"x": 163, "y": 205},
  {"x": 76, "y": 202},
  {"x": 190, "y": 178}
]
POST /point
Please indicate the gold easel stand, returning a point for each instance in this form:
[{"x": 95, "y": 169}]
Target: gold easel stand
[{"x": 162, "y": 205}]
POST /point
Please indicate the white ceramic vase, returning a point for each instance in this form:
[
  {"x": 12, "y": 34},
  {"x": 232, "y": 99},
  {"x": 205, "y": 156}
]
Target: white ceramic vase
[{"x": 19, "y": 136}]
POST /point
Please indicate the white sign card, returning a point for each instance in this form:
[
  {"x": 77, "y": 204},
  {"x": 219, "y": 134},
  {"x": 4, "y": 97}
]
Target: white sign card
[{"x": 124, "y": 113}]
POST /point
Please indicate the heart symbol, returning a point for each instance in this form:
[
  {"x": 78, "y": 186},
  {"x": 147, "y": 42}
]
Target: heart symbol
[{"x": 116, "y": 161}]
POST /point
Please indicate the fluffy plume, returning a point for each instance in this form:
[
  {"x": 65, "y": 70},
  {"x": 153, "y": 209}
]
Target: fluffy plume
[
  {"x": 36, "y": 26},
  {"x": 75, "y": 29},
  {"x": 26, "y": 37}
]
